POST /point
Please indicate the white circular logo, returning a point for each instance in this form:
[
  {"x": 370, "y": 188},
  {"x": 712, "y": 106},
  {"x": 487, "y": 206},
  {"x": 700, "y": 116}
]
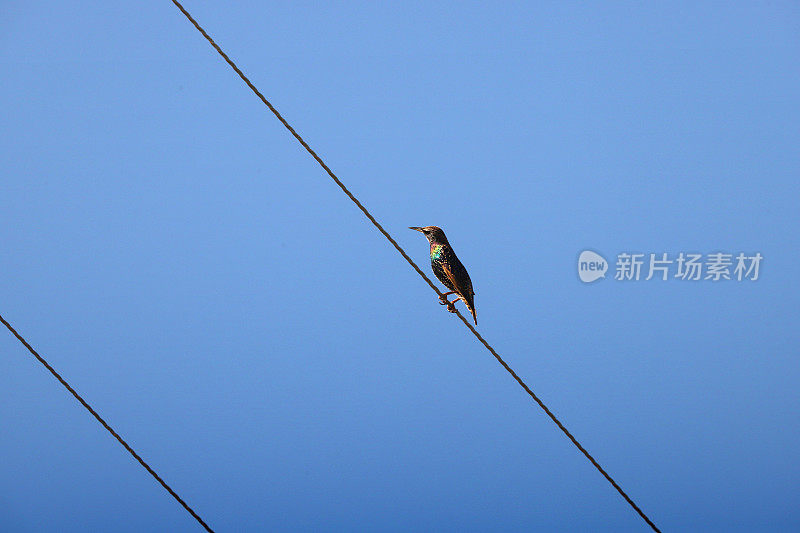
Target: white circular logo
[{"x": 591, "y": 266}]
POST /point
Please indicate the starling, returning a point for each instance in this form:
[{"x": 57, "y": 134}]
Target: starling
[{"x": 449, "y": 270}]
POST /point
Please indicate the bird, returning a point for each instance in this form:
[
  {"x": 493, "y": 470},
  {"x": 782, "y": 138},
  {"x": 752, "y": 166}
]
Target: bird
[{"x": 449, "y": 270}]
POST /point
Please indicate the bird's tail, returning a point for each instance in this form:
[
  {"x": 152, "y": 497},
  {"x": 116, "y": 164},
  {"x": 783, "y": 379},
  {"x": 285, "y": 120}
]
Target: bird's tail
[{"x": 474, "y": 315}]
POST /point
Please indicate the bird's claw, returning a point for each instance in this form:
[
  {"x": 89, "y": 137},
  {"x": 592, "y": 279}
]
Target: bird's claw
[{"x": 451, "y": 306}]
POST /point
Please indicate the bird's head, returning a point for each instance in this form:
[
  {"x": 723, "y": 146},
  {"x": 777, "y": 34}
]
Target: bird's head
[{"x": 433, "y": 233}]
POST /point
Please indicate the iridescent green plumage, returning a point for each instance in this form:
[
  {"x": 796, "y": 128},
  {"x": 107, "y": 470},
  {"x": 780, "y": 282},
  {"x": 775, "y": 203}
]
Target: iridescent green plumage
[{"x": 448, "y": 269}]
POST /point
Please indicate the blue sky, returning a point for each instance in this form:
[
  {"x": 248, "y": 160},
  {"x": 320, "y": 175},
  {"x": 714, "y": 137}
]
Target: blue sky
[{"x": 180, "y": 259}]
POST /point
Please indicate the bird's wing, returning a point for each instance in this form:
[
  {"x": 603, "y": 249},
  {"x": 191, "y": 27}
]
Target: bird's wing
[
  {"x": 459, "y": 286},
  {"x": 464, "y": 288}
]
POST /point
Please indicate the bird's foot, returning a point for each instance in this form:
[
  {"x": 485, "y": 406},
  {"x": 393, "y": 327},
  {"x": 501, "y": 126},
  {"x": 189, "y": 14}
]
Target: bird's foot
[
  {"x": 443, "y": 298},
  {"x": 451, "y": 306},
  {"x": 444, "y": 301}
]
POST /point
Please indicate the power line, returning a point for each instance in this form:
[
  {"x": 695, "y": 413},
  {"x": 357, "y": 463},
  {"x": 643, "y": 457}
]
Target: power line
[
  {"x": 411, "y": 262},
  {"x": 105, "y": 424}
]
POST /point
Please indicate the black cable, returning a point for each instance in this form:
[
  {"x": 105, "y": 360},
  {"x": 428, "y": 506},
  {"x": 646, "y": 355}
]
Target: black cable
[
  {"x": 411, "y": 262},
  {"x": 105, "y": 424}
]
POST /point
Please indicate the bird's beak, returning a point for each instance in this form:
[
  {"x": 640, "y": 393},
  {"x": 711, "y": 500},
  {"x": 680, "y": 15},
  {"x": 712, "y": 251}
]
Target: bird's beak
[{"x": 415, "y": 228}]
